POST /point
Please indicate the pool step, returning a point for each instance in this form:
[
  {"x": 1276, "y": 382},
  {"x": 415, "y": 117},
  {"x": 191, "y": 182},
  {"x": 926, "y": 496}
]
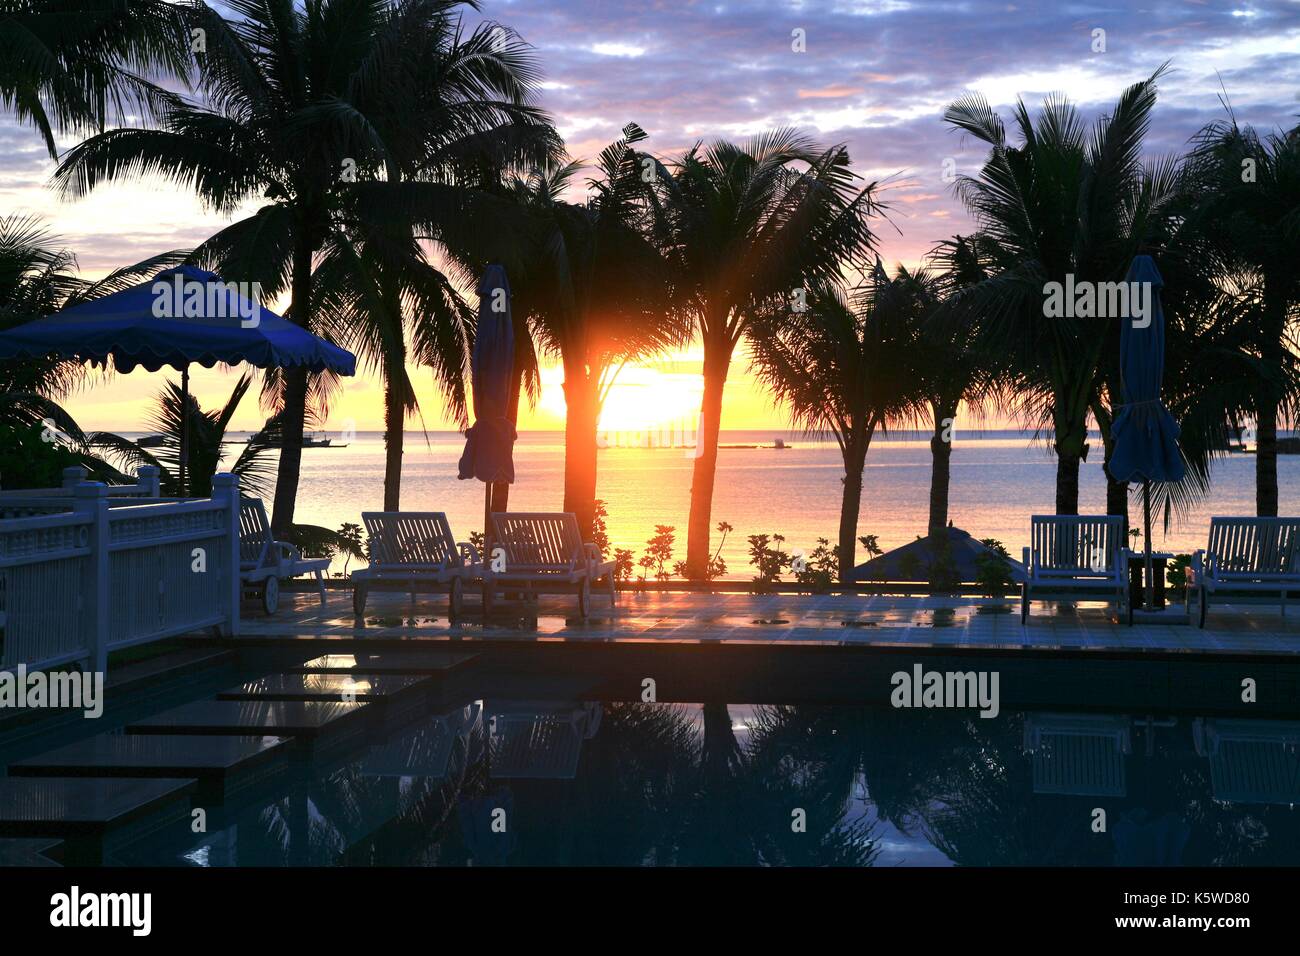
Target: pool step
[
  {"x": 326, "y": 687},
  {"x": 386, "y": 662},
  {"x": 217, "y": 763},
  {"x": 306, "y": 719},
  {"x": 83, "y": 810}
]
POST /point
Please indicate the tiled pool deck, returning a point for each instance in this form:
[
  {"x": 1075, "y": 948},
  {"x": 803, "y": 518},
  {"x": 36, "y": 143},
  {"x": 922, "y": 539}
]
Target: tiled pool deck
[{"x": 854, "y": 620}]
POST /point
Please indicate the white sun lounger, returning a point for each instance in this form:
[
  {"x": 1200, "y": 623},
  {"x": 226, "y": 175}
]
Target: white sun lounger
[
  {"x": 263, "y": 561},
  {"x": 1078, "y": 556},
  {"x": 415, "y": 549},
  {"x": 545, "y": 553},
  {"x": 1257, "y": 559}
]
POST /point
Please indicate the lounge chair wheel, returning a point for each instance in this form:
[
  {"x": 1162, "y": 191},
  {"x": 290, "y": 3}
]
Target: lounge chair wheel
[
  {"x": 456, "y": 601},
  {"x": 584, "y": 598},
  {"x": 359, "y": 600},
  {"x": 270, "y": 595},
  {"x": 1024, "y": 604}
]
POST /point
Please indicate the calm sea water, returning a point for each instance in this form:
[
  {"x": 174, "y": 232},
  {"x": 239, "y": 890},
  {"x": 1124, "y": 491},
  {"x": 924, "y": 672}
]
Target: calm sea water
[{"x": 999, "y": 478}]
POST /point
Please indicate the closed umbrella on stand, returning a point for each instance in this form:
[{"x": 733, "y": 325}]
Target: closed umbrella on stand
[
  {"x": 490, "y": 441},
  {"x": 1146, "y": 435}
]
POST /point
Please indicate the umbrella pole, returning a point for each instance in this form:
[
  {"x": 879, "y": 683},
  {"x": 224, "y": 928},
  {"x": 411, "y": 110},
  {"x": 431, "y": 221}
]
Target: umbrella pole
[
  {"x": 185, "y": 429},
  {"x": 1146, "y": 519}
]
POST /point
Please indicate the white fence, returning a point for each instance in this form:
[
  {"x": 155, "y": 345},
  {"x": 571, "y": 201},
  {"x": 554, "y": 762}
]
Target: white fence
[{"x": 86, "y": 570}]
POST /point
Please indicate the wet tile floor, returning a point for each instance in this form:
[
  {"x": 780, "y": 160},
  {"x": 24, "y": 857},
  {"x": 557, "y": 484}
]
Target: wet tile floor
[{"x": 838, "y": 619}]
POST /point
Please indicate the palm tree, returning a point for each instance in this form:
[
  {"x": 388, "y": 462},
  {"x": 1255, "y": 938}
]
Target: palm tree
[
  {"x": 313, "y": 108},
  {"x": 1250, "y": 202},
  {"x": 207, "y": 443},
  {"x": 951, "y": 372},
  {"x": 745, "y": 228},
  {"x": 74, "y": 66},
  {"x": 845, "y": 367},
  {"x": 390, "y": 305},
  {"x": 592, "y": 289},
  {"x": 1066, "y": 201}
]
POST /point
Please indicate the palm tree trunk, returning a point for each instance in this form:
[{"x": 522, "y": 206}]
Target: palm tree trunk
[
  {"x": 581, "y": 413},
  {"x": 394, "y": 438},
  {"x": 1117, "y": 499},
  {"x": 1067, "y": 484},
  {"x": 1116, "y": 491},
  {"x": 1266, "y": 493},
  {"x": 940, "y": 468},
  {"x": 855, "y": 459},
  {"x": 295, "y": 395},
  {"x": 1273, "y": 346},
  {"x": 717, "y": 360},
  {"x": 1071, "y": 445}
]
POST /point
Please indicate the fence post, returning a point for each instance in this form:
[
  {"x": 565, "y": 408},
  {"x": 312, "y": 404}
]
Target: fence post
[
  {"x": 146, "y": 479},
  {"x": 90, "y": 498},
  {"x": 73, "y": 476},
  {"x": 225, "y": 488}
]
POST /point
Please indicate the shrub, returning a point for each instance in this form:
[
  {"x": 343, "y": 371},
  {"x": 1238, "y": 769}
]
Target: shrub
[
  {"x": 28, "y": 461},
  {"x": 623, "y": 566},
  {"x": 820, "y": 569},
  {"x": 1176, "y": 572},
  {"x": 659, "y": 551},
  {"x": 993, "y": 568},
  {"x": 766, "y": 556}
]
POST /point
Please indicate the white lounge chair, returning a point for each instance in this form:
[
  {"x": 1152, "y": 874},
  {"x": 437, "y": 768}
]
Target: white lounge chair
[
  {"x": 1076, "y": 556},
  {"x": 263, "y": 561},
  {"x": 545, "y": 553},
  {"x": 1248, "y": 556},
  {"x": 415, "y": 548}
]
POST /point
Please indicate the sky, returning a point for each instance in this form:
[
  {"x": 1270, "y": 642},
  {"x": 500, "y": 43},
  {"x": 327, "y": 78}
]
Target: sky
[{"x": 873, "y": 74}]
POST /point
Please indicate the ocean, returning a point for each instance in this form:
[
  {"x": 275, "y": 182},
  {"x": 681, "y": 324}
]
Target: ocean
[{"x": 999, "y": 479}]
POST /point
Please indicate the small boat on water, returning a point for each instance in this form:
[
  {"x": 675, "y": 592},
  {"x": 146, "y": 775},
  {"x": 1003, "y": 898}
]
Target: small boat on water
[
  {"x": 151, "y": 441},
  {"x": 778, "y": 444},
  {"x": 313, "y": 440}
]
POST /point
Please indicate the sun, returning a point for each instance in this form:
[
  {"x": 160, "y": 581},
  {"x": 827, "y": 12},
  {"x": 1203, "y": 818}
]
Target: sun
[{"x": 643, "y": 399}]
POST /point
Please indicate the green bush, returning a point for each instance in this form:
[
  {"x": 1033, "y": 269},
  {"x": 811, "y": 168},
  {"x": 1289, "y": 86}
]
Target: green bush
[
  {"x": 28, "y": 461},
  {"x": 820, "y": 569},
  {"x": 1176, "y": 572},
  {"x": 993, "y": 569}
]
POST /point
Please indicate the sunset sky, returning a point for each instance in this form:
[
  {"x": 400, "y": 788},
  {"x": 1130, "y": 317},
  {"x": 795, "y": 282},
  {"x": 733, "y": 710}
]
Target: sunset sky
[{"x": 876, "y": 75}]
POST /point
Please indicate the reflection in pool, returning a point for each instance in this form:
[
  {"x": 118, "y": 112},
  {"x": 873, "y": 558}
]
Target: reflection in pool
[{"x": 529, "y": 782}]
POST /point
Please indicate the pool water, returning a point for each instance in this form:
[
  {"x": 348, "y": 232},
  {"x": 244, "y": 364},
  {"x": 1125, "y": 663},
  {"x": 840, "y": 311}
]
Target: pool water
[{"x": 535, "y": 781}]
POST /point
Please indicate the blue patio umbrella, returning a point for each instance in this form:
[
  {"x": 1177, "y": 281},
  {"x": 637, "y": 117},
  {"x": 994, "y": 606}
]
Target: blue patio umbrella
[
  {"x": 1145, "y": 434},
  {"x": 179, "y": 317},
  {"x": 490, "y": 441}
]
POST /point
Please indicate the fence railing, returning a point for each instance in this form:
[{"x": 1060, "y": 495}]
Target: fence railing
[
  {"x": 147, "y": 484},
  {"x": 92, "y": 572}
]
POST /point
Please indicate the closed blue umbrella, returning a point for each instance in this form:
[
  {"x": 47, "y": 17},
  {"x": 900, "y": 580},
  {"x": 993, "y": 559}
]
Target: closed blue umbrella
[
  {"x": 490, "y": 441},
  {"x": 1145, "y": 434},
  {"x": 179, "y": 317}
]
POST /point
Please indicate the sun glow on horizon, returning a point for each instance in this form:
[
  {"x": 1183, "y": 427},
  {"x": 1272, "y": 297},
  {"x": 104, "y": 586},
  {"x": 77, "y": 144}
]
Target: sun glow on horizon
[{"x": 642, "y": 399}]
